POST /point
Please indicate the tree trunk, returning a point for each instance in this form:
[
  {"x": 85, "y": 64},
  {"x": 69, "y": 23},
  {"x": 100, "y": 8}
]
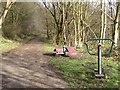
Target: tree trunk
[
  {"x": 84, "y": 19},
  {"x": 4, "y": 13},
  {"x": 47, "y": 26},
  {"x": 105, "y": 21},
  {"x": 102, "y": 18},
  {"x": 64, "y": 25},
  {"x": 111, "y": 14},
  {"x": 75, "y": 30},
  {"x": 79, "y": 24},
  {"x": 1, "y": 27},
  {"x": 116, "y": 31}
]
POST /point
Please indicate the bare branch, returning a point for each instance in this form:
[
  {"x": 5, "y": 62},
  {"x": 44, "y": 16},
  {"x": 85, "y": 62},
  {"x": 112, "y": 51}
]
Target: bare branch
[
  {"x": 108, "y": 15},
  {"x": 48, "y": 8},
  {"x": 90, "y": 29}
]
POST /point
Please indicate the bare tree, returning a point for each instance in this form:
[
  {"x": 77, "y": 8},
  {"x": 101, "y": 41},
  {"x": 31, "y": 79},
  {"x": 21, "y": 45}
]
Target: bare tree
[
  {"x": 60, "y": 11},
  {"x": 9, "y": 4}
]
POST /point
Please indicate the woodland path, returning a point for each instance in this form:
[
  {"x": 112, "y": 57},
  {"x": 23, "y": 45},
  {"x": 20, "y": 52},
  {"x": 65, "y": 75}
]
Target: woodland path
[{"x": 27, "y": 67}]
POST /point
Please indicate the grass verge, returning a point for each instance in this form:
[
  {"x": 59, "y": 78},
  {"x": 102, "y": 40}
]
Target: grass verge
[
  {"x": 79, "y": 73},
  {"x": 6, "y": 44}
]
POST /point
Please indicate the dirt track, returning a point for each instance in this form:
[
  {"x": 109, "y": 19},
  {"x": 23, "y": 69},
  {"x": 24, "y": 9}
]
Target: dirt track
[{"x": 27, "y": 67}]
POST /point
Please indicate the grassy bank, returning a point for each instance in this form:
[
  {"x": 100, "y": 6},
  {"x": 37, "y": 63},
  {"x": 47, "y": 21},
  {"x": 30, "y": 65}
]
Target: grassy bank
[
  {"x": 79, "y": 73},
  {"x": 6, "y": 44}
]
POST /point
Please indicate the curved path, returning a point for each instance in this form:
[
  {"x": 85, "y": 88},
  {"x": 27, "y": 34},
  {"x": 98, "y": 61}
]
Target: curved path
[{"x": 27, "y": 67}]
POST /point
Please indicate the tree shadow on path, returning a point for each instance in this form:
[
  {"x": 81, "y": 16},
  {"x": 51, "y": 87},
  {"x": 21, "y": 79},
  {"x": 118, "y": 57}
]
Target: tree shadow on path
[{"x": 27, "y": 67}]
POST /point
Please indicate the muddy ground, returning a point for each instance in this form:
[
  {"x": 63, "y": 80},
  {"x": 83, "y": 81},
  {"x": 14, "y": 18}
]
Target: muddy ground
[{"x": 27, "y": 67}]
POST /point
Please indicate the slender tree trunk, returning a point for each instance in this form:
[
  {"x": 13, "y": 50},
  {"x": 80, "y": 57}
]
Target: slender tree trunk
[
  {"x": 111, "y": 14},
  {"x": 79, "y": 24},
  {"x": 1, "y": 26},
  {"x": 105, "y": 21},
  {"x": 81, "y": 20},
  {"x": 47, "y": 27},
  {"x": 102, "y": 18},
  {"x": 64, "y": 25},
  {"x": 116, "y": 36},
  {"x": 83, "y": 34},
  {"x": 75, "y": 30},
  {"x": 84, "y": 19},
  {"x": 59, "y": 34},
  {"x": 75, "y": 33}
]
